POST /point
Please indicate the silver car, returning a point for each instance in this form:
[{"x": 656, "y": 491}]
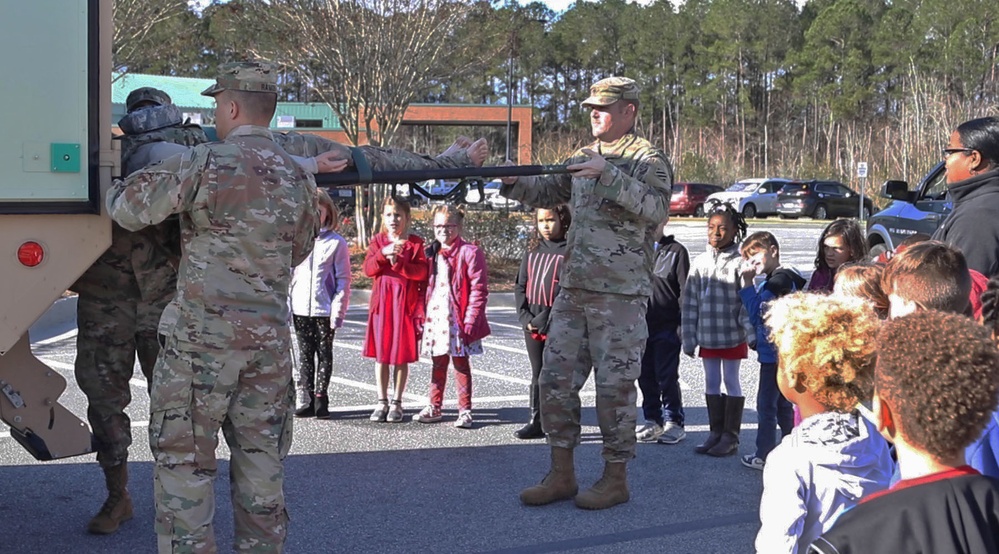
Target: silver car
[{"x": 752, "y": 197}]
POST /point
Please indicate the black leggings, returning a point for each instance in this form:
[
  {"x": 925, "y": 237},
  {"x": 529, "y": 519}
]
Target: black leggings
[
  {"x": 535, "y": 353},
  {"x": 315, "y": 340}
]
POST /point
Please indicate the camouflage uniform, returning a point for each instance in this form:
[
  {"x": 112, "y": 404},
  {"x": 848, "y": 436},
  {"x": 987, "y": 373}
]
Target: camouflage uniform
[
  {"x": 122, "y": 295},
  {"x": 598, "y": 318},
  {"x": 380, "y": 159},
  {"x": 248, "y": 215}
]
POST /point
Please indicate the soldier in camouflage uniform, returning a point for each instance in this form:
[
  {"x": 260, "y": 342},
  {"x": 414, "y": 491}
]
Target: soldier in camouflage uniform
[
  {"x": 619, "y": 191},
  {"x": 121, "y": 297},
  {"x": 248, "y": 215}
]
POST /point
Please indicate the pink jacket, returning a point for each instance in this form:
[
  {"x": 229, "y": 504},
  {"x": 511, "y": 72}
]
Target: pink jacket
[{"x": 469, "y": 285}]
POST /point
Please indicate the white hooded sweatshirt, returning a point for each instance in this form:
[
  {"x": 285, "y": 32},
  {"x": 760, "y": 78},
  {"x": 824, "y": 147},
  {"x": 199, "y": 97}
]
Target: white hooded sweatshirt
[{"x": 817, "y": 472}]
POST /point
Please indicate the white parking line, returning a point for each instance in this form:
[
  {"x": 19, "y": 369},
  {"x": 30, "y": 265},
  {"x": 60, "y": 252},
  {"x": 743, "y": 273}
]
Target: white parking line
[{"x": 57, "y": 338}]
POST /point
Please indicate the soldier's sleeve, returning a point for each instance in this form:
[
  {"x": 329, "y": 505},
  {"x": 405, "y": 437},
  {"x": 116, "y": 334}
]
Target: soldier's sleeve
[
  {"x": 299, "y": 144},
  {"x": 540, "y": 191},
  {"x": 380, "y": 159},
  {"x": 158, "y": 191},
  {"x": 307, "y": 226},
  {"x": 646, "y": 194}
]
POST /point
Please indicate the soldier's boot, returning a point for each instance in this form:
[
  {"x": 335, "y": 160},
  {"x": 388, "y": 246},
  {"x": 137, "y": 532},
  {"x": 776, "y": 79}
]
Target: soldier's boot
[
  {"x": 729, "y": 442},
  {"x": 610, "y": 490},
  {"x": 559, "y": 484},
  {"x": 716, "y": 422},
  {"x": 117, "y": 509}
]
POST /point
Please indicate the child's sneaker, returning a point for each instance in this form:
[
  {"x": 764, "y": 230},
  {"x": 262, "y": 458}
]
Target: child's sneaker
[
  {"x": 672, "y": 433},
  {"x": 753, "y": 462},
  {"x": 428, "y": 414},
  {"x": 649, "y": 432},
  {"x": 464, "y": 420}
]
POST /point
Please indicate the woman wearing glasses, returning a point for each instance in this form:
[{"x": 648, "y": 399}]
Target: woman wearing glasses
[{"x": 972, "y": 163}]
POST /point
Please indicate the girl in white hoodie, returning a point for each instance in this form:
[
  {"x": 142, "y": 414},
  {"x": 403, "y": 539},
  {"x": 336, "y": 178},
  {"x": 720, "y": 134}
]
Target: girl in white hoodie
[
  {"x": 826, "y": 346},
  {"x": 319, "y": 295}
]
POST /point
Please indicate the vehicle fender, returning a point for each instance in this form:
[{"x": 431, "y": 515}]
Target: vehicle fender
[{"x": 879, "y": 230}]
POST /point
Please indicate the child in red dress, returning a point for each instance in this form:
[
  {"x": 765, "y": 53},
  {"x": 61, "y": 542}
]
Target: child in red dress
[{"x": 399, "y": 267}]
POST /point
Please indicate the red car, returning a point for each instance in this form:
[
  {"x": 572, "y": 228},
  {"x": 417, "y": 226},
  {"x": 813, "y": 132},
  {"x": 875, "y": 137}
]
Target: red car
[{"x": 688, "y": 198}]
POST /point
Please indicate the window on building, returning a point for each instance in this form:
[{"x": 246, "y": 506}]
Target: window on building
[{"x": 310, "y": 123}]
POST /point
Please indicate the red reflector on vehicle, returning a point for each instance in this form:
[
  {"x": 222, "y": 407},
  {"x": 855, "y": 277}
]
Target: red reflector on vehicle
[{"x": 30, "y": 254}]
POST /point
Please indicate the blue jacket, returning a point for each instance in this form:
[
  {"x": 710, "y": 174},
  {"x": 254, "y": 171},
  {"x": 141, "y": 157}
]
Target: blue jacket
[
  {"x": 983, "y": 454},
  {"x": 782, "y": 281}
]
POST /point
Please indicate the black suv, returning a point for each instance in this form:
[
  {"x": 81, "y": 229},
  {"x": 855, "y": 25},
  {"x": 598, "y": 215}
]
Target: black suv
[
  {"x": 820, "y": 200},
  {"x": 918, "y": 211}
]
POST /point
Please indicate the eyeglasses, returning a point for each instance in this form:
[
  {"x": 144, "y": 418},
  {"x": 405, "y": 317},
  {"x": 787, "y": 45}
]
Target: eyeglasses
[
  {"x": 448, "y": 227},
  {"x": 948, "y": 151}
]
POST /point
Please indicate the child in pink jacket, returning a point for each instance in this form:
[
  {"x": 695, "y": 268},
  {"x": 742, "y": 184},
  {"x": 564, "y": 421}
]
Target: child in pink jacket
[{"x": 456, "y": 313}]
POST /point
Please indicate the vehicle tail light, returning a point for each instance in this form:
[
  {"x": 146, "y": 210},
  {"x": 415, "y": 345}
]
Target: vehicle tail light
[{"x": 30, "y": 254}]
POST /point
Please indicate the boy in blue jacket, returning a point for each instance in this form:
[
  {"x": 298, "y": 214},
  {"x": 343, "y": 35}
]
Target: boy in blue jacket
[{"x": 764, "y": 280}]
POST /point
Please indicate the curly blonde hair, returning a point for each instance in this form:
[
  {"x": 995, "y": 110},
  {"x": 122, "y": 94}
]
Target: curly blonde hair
[{"x": 828, "y": 343}]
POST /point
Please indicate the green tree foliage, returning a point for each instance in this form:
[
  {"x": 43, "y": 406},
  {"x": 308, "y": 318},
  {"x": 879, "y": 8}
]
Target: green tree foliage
[{"x": 731, "y": 88}]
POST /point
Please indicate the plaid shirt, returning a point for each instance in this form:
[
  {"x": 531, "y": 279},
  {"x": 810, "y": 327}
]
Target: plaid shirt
[{"x": 713, "y": 315}]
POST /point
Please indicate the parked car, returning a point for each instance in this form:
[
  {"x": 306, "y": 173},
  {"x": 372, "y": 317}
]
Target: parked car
[
  {"x": 688, "y": 198},
  {"x": 820, "y": 200},
  {"x": 922, "y": 210},
  {"x": 489, "y": 190},
  {"x": 498, "y": 202},
  {"x": 752, "y": 197}
]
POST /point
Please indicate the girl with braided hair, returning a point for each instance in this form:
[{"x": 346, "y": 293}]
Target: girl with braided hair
[
  {"x": 983, "y": 454},
  {"x": 715, "y": 319}
]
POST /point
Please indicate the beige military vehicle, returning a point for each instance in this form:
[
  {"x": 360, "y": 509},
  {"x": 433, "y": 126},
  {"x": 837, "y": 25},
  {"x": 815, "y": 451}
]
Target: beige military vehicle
[{"x": 56, "y": 161}]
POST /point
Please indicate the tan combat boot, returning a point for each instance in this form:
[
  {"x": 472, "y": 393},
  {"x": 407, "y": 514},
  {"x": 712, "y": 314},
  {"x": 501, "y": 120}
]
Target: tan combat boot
[
  {"x": 117, "y": 509},
  {"x": 559, "y": 484},
  {"x": 610, "y": 490}
]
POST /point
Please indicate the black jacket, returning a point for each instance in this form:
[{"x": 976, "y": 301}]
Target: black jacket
[
  {"x": 973, "y": 226},
  {"x": 537, "y": 283},
  {"x": 669, "y": 274},
  {"x": 958, "y": 515}
]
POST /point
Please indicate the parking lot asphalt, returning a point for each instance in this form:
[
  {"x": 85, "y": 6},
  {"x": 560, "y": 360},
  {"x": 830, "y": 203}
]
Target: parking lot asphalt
[{"x": 356, "y": 486}]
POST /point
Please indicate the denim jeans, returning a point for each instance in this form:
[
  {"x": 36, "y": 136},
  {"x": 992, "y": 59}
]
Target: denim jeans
[
  {"x": 660, "y": 379},
  {"x": 772, "y": 410}
]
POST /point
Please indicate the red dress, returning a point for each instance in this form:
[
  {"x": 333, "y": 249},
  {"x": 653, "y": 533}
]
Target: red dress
[{"x": 396, "y": 310}]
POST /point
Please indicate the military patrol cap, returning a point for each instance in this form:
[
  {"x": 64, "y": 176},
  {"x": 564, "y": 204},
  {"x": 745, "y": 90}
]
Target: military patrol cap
[
  {"x": 607, "y": 91},
  {"x": 146, "y": 94},
  {"x": 258, "y": 76}
]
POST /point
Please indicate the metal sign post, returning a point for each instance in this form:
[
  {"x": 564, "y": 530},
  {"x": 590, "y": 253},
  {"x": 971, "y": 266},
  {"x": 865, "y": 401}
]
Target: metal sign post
[{"x": 862, "y": 174}]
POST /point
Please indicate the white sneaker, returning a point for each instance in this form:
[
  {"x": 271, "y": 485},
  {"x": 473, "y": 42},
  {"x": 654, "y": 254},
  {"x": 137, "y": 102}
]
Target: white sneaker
[
  {"x": 464, "y": 420},
  {"x": 428, "y": 414},
  {"x": 649, "y": 432},
  {"x": 672, "y": 433}
]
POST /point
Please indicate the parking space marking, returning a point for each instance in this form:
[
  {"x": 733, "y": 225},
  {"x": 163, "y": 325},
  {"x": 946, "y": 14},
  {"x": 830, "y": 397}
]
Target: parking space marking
[{"x": 57, "y": 338}]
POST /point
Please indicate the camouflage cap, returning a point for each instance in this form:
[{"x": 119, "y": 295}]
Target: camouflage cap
[
  {"x": 146, "y": 94},
  {"x": 607, "y": 91},
  {"x": 150, "y": 118},
  {"x": 258, "y": 76}
]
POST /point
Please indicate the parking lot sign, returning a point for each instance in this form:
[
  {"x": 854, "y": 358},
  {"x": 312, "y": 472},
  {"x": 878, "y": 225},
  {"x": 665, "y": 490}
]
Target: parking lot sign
[{"x": 861, "y": 169}]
